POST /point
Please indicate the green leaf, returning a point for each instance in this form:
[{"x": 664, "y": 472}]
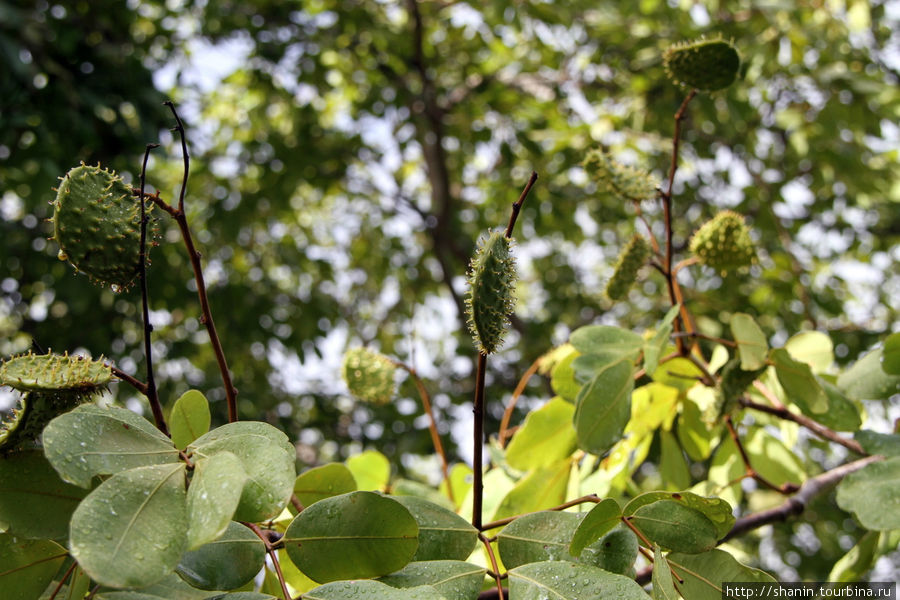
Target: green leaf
[
  {"x": 27, "y": 566},
  {"x": 130, "y": 531},
  {"x": 268, "y": 460},
  {"x": 537, "y": 537},
  {"x": 418, "y": 489},
  {"x": 886, "y": 444},
  {"x": 663, "y": 585},
  {"x": 890, "y": 355},
  {"x": 93, "y": 440},
  {"x": 322, "y": 482},
  {"x": 603, "y": 408},
  {"x": 654, "y": 347},
  {"x": 213, "y": 497},
  {"x": 443, "y": 535},
  {"x": 546, "y": 437},
  {"x": 607, "y": 340},
  {"x": 858, "y": 560},
  {"x": 601, "y": 519},
  {"x": 679, "y": 373},
  {"x": 673, "y": 467},
  {"x": 562, "y": 376},
  {"x": 614, "y": 552},
  {"x": 800, "y": 385},
  {"x": 243, "y": 596},
  {"x": 189, "y": 418},
  {"x": 460, "y": 482},
  {"x": 560, "y": 580},
  {"x": 170, "y": 588},
  {"x": 867, "y": 380},
  {"x": 872, "y": 494},
  {"x": 752, "y": 343},
  {"x": 355, "y": 535},
  {"x": 370, "y": 469},
  {"x": 704, "y": 574},
  {"x": 75, "y": 586},
  {"x": 34, "y": 501},
  {"x": 370, "y": 590},
  {"x": 813, "y": 348},
  {"x": 772, "y": 459},
  {"x": 454, "y": 580},
  {"x": 842, "y": 414},
  {"x": 675, "y": 526},
  {"x": 696, "y": 437},
  {"x": 226, "y": 563},
  {"x": 716, "y": 510},
  {"x": 542, "y": 488}
]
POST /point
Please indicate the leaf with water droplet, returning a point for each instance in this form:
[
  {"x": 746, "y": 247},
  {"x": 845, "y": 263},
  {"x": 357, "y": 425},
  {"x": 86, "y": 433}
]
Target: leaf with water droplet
[
  {"x": 227, "y": 563},
  {"x": 213, "y": 497},
  {"x": 455, "y": 580},
  {"x": 570, "y": 581},
  {"x": 442, "y": 534},
  {"x": 27, "y": 566}
]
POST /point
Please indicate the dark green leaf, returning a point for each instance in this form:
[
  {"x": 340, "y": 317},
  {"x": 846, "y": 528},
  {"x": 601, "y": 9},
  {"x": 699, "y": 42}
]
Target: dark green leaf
[
  {"x": 93, "y": 440},
  {"x": 598, "y": 522},
  {"x": 890, "y": 355},
  {"x": 537, "y": 537},
  {"x": 27, "y": 566},
  {"x": 370, "y": 590},
  {"x": 562, "y": 580},
  {"x": 454, "y": 580},
  {"x": 225, "y": 563},
  {"x": 867, "y": 380},
  {"x": 355, "y": 535},
  {"x": 886, "y": 444},
  {"x": 858, "y": 560},
  {"x": 676, "y": 526},
  {"x": 170, "y": 588},
  {"x": 800, "y": 385},
  {"x": 654, "y": 347},
  {"x": 718, "y": 511},
  {"x": 704, "y": 574},
  {"x": 672, "y": 466},
  {"x": 443, "y": 535},
  {"x": 34, "y": 501},
  {"x": 213, "y": 496},
  {"x": 663, "y": 585},
  {"x": 130, "y": 531},
  {"x": 268, "y": 460},
  {"x": 603, "y": 408},
  {"x": 872, "y": 494},
  {"x": 615, "y": 552}
]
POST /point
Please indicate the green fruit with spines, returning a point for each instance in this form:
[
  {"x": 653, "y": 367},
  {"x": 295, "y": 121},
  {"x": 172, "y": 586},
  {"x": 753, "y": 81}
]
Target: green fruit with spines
[
  {"x": 625, "y": 182},
  {"x": 491, "y": 298},
  {"x": 51, "y": 384},
  {"x": 704, "y": 64},
  {"x": 724, "y": 243},
  {"x": 97, "y": 224},
  {"x": 632, "y": 257},
  {"x": 369, "y": 375}
]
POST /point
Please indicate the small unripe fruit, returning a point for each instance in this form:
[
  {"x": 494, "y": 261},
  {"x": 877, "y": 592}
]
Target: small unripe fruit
[
  {"x": 707, "y": 65},
  {"x": 491, "y": 299},
  {"x": 625, "y": 182},
  {"x": 97, "y": 224},
  {"x": 724, "y": 243},
  {"x": 369, "y": 375},
  {"x": 632, "y": 257}
]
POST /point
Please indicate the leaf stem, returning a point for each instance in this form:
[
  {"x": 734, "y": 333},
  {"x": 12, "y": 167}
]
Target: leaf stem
[
  {"x": 478, "y": 442},
  {"x": 495, "y": 569},
  {"x": 207, "y": 319},
  {"x": 787, "y": 488},
  {"x": 273, "y": 556},
  {"x": 511, "y": 406},
  {"x": 151, "y": 392},
  {"x": 62, "y": 580}
]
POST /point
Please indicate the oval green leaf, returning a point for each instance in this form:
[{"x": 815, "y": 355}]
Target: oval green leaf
[
  {"x": 355, "y": 535},
  {"x": 546, "y": 437},
  {"x": 598, "y": 522},
  {"x": 800, "y": 385},
  {"x": 603, "y": 408},
  {"x": 537, "y": 537},
  {"x": 751, "y": 341},
  {"x": 94, "y": 440},
  {"x": 268, "y": 460},
  {"x": 717, "y": 510},
  {"x": 663, "y": 585},
  {"x": 169, "y": 588},
  {"x": 323, "y": 482},
  {"x": 703, "y": 574},
  {"x": 675, "y": 526},
  {"x": 130, "y": 531},
  {"x": 813, "y": 348},
  {"x": 886, "y": 444},
  {"x": 189, "y": 418},
  {"x": 370, "y": 590},
  {"x": 615, "y": 552},
  {"x": 605, "y": 339},
  {"x": 453, "y": 579},
  {"x": 562, "y": 580},
  {"x": 213, "y": 497},
  {"x": 872, "y": 494},
  {"x": 370, "y": 469},
  {"x": 867, "y": 379},
  {"x": 225, "y": 563},
  {"x": 890, "y": 356},
  {"x": 34, "y": 501},
  {"x": 443, "y": 535},
  {"x": 27, "y": 566}
]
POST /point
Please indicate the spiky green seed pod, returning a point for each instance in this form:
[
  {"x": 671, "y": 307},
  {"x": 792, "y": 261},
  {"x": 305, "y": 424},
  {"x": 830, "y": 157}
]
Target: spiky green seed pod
[
  {"x": 724, "y": 243},
  {"x": 625, "y": 182},
  {"x": 369, "y": 375},
  {"x": 97, "y": 224},
  {"x": 491, "y": 298},
  {"x": 51, "y": 384},
  {"x": 703, "y": 64},
  {"x": 632, "y": 257}
]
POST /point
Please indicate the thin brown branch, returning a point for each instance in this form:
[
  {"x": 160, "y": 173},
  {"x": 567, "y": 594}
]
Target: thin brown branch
[
  {"x": 151, "y": 393},
  {"x": 820, "y": 430},
  {"x": 206, "y": 318},
  {"x": 432, "y": 426},
  {"x": 62, "y": 580},
  {"x": 511, "y": 405},
  {"x": 495, "y": 569},
  {"x": 478, "y": 442},
  {"x": 786, "y": 488},
  {"x": 132, "y": 381},
  {"x": 295, "y": 502},
  {"x": 272, "y": 551},
  {"x": 517, "y": 205}
]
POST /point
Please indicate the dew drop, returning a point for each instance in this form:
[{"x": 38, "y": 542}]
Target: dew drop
[{"x": 62, "y": 255}]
